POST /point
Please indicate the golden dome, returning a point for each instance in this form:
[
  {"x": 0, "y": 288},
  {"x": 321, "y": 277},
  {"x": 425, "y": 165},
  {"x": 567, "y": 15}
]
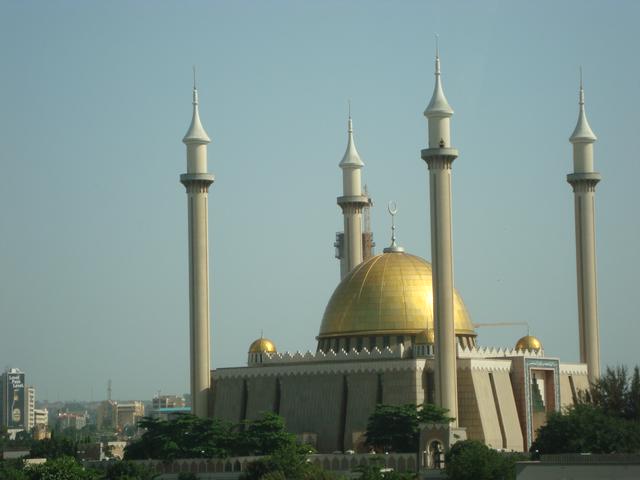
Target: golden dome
[
  {"x": 426, "y": 337},
  {"x": 529, "y": 342},
  {"x": 262, "y": 345},
  {"x": 389, "y": 294}
]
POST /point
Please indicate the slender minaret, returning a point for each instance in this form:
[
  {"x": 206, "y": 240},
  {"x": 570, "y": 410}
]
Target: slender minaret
[
  {"x": 584, "y": 180},
  {"x": 352, "y": 202},
  {"x": 197, "y": 181},
  {"x": 439, "y": 157}
]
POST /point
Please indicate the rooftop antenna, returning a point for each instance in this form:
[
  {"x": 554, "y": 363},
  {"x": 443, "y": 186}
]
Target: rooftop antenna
[
  {"x": 109, "y": 390},
  {"x": 581, "y": 88},
  {"x": 194, "y": 77},
  {"x": 437, "y": 47}
]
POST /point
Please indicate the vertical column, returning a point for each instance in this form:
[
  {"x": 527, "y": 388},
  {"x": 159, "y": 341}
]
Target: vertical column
[
  {"x": 584, "y": 185},
  {"x": 439, "y": 161},
  {"x": 197, "y": 186},
  {"x": 197, "y": 181},
  {"x": 584, "y": 180},
  {"x": 439, "y": 157},
  {"x": 352, "y": 202},
  {"x": 353, "y": 233}
]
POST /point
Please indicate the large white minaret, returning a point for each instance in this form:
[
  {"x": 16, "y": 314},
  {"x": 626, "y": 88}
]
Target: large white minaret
[
  {"x": 352, "y": 202},
  {"x": 584, "y": 180},
  {"x": 197, "y": 181},
  {"x": 439, "y": 157}
]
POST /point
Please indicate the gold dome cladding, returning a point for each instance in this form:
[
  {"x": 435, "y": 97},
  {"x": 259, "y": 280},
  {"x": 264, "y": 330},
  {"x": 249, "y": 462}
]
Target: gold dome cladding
[
  {"x": 262, "y": 345},
  {"x": 529, "y": 342},
  {"x": 388, "y": 294}
]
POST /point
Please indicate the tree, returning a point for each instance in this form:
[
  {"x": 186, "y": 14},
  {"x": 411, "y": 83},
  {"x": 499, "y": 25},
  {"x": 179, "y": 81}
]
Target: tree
[
  {"x": 265, "y": 435},
  {"x": 187, "y": 476},
  {"x": 616, "y": 393},
  {"x": 12, "y": 470},
  {"x": 377, "y": 471},
  {"x": 473, "y": 460},
  {"x": 633, "y": 398},
  {"x": 54, "y": 447},
  {"x": 396, "y": 428},
  {"x": 125, "y": 470},
  {"x": 186, "y": 436},
  {"x": 587, "y": 428},
  {"x": 289, "y": 462},
  {"x": 63, "y": 468}
]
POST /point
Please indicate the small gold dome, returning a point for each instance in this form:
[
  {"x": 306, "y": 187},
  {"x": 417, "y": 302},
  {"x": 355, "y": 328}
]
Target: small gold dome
[
  {"x": 426, "y": 337},
  {"x": 389, "y": 294},
  {"x": 529, "y": 342},
  {"x": 262, "y": 345}
]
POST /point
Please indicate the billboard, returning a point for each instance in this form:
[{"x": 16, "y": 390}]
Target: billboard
[{"x": 15, "y": 400}]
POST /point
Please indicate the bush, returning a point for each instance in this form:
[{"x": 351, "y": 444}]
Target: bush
[
  {"x": 473, "y": 460},
  {"x": 288, "y": 463},
  {"x": 63, "y": 468},
  {"x": 125, "y": 470},
  {"x": 586, "y": 428}
]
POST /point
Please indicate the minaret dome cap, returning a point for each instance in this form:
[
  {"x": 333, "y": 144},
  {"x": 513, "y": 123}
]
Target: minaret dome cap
[
  {"x": 582, "y": 133},
  {"x": 438, "y": 106},
  {"x": 196, "y": 133},
  {"x": 351, "y": 158}
]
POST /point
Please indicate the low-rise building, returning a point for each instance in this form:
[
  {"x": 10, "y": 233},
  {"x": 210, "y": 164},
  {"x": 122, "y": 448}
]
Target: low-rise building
[
  {"x": 128, "y": 414},
  {"x": 107, "y": 415},
  {"x": 72, "y": 420}
]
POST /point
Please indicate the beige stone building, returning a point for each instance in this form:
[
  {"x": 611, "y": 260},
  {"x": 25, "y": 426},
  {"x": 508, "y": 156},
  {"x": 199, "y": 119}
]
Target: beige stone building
[
  {"x": 373, "y": 348},
  {"x": 395, "y": 331},
  {"x": 128, "y": 414}
]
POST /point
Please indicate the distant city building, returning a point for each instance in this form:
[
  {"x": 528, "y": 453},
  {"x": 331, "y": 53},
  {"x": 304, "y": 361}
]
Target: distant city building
[
  {"x": 107, "y": 415},
  {"x": 31, "y": 407},
  {"x": 40, "y": 417},
  {"x": 17, "y": 401},
  {"x": 72, "y": 420},
  {"x": 165, "y": 407},
  {"x": 168, "y": 401},
  {"x": 40, "y": 432},
  {"x": 128, "y": 414},
  {"x": 116, "y": 449}
]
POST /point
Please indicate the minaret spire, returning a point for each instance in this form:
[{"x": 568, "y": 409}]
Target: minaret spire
[
  {"x": 438, "y": 112},
  {"x": 352, "y": 202},
  {"x": 584, "y": 180},
  {"x": 197, "y": 181},
  {"x": 196, "y": 132},
  {"x": 582, "y": 133},
  {"x": 439, "y": 158}
]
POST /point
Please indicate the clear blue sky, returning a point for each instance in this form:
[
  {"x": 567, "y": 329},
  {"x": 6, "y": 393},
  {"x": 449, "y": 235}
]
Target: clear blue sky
[{"x": 95, "y": 98}]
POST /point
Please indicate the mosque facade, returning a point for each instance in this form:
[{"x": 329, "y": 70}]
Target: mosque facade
[{"x": 395, "y": 331}]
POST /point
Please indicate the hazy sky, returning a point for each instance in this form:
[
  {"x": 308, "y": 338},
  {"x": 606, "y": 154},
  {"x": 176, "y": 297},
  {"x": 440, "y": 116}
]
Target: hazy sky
[{"x": 96, "y": 96}]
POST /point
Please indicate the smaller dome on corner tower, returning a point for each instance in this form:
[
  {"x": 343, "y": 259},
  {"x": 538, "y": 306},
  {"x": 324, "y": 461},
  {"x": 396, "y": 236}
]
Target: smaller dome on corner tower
[
  {"x": 529, "y": 342},
  {"x": 262, "y": 345}
]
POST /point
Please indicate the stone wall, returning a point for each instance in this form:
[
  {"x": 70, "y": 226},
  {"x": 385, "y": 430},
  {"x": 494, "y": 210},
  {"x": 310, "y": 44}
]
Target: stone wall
[{"x": 330, "y": 401}]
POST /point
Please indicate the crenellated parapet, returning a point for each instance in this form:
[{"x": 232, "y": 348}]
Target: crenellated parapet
[
  {"x": 278, "y": 358},
  {"x": 493, "y": 352},
  {"x": 573, "y": 369},
  {"x": 395, "y": 352}
]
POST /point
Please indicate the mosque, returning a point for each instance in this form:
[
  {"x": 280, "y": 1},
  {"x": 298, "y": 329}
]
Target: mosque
[{"x": 395, "y": 331}]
